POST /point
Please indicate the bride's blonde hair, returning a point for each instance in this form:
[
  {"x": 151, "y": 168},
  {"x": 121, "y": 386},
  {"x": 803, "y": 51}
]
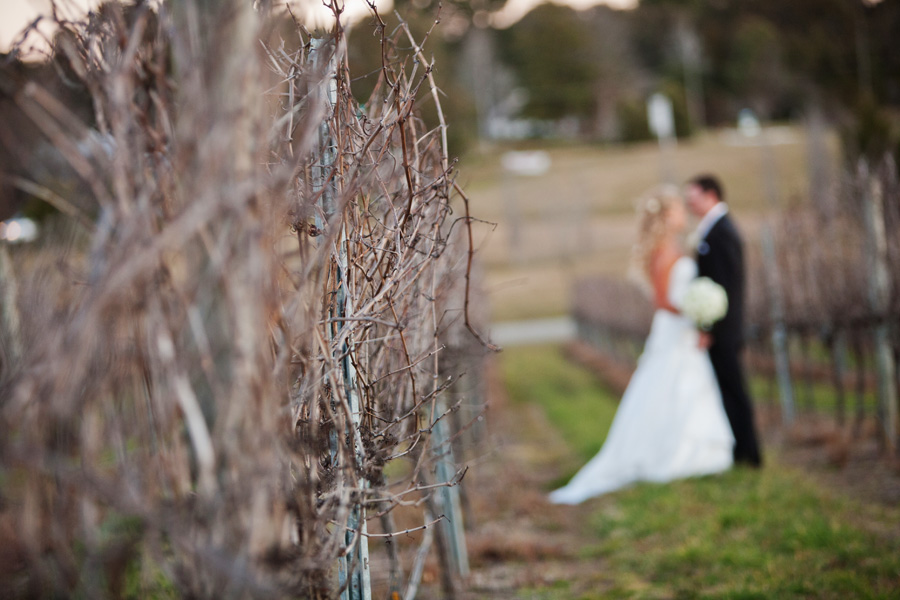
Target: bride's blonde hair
[{"x": 652, "y": 209}]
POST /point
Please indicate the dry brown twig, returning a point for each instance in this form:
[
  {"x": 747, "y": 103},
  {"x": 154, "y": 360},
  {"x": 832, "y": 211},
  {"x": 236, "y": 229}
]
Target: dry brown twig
[{"x": 237, "y": 271}]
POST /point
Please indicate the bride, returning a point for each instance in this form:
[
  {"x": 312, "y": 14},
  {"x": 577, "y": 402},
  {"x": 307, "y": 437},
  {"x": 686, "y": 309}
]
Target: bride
[{"x": 670, "y": 423}]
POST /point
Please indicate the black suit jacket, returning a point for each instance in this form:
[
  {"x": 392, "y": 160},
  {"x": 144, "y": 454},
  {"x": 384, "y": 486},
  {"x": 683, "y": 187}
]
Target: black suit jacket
[{"x": 720, "y": 256}]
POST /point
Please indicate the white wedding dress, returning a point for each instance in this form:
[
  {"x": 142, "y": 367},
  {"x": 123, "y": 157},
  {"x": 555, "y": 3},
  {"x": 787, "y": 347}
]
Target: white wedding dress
[{"x": 670, "y": 423}]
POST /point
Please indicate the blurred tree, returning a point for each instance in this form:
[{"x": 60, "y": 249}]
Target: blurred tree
[
  {"x": 597, "y": 66},
  {"x": 869, "y": 133},
  {"x": 632, "y": 115},
  {"x": 365, "y": 61},
  {"x": 819, "y": 40},
  {"x": 651, "y": 23},
  {"x": 491, "y": 83},
  {"x": 753, "y": 69},
  {"x": 617, "y": 72},
  {"x": 781, "y": 53},
  {"x": 550, "y": 50},
  {"x": 883, "y": 20}
]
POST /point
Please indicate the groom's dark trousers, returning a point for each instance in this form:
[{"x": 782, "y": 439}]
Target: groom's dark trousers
[
  {"x": 720, "y": 257},
  {"x": 727, "y": 365}
]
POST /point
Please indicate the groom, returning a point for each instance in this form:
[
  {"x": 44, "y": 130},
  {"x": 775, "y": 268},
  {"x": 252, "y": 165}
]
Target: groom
[{"x": 720, "y": 257}]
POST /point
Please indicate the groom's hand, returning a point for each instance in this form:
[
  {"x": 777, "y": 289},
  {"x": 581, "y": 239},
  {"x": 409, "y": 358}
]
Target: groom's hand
[{"x": 704, "y": 341}]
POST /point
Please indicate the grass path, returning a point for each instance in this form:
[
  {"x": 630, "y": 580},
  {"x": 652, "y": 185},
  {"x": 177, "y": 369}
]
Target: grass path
[{"x": 744, "y": 534}]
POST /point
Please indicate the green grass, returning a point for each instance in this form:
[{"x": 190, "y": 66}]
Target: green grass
[
  {"x": 575, "y": 400},
  {"x": 823, "y": 400},
  {"x": 745, "y": 534},
  {"x": 772, "y": 534},
  {"x": 823, "y": 397}
]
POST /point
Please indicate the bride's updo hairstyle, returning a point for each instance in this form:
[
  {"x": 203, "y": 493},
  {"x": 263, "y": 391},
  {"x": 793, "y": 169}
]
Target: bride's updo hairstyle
[{"x": 652, "y": 209}]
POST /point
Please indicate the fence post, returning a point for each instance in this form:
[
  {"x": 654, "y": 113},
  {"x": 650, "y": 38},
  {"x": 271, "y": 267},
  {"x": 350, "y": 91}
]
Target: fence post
[
  {"x": 448, "y": 499},
  {"x": 779, "y": 331},
  {"x": 838, "y": 346},
  {"x": 9, "y": 313},
  {"x": 356, "y": 584},
  {"x": 879, "y": 300}
]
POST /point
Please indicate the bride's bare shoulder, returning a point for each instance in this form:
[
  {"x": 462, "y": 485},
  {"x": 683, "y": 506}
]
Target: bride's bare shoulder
[
  {"x": 661, "y": 264},
  {"x": 662, "y": 258}
]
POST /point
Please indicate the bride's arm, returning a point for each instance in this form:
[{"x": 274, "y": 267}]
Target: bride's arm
[
  {"x": 680, "y": 277},
  {"x": 663, "y": 264}
]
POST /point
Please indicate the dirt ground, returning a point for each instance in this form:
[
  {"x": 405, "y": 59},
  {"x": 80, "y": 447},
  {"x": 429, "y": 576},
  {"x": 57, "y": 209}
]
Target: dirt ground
[
  {"x": 854, "y": 466},
  {"x": 517, "y": 540}
]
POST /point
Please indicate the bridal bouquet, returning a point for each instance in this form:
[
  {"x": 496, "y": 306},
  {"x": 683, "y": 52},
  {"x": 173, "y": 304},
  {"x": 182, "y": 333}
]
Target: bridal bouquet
[{"x": 705, "y": 302}]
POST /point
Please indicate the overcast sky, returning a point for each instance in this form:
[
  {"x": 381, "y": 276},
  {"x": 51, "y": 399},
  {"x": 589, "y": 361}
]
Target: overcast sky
[{"x": 17, "y": 14}]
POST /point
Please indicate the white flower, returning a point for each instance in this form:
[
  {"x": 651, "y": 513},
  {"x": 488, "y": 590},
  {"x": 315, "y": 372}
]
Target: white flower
[
  {"x": 652, "y": 206},
  {"x": 705, "y": 302}
]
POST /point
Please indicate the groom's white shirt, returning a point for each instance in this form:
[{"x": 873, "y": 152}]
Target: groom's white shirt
[{"x": 719, "y": 210}]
